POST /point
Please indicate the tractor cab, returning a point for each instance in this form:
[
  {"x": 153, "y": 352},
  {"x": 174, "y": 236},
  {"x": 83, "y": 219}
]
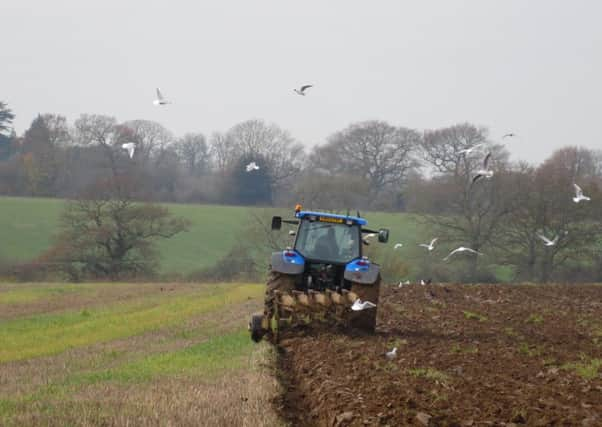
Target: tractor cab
[{"x": 328, "y": 249}]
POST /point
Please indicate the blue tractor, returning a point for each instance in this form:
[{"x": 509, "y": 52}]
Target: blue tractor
[{"x": 322, "y": 275}]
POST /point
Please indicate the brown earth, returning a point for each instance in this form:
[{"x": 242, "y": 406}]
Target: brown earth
[{"x": 468, "y": 355}]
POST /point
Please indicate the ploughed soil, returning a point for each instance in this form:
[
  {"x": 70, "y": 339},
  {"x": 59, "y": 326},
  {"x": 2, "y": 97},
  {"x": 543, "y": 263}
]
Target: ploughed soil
[{"x": 467, "y": 355}]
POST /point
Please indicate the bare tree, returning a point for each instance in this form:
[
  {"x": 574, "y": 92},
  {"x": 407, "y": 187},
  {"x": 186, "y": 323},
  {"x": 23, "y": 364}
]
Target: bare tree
[
  {"x": 475, "y": 211},
  {"x": 373, "y": 150},
  {"x": 105, "y": 233},
  {"x": 194, "y": 153},
  {"x": 58, "y": 129},
  {"x": 546, "y": 209},
  {"x": 151, "y": 138},
  {"x": 103, "y": 131},
  {"x": 222, "y": 151},
  {"x": 283, "y": 155}
]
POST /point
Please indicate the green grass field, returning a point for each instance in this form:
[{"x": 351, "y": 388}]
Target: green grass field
[
  {"x": 119, "y": 354},
  {"x": 28, "y": 224}
]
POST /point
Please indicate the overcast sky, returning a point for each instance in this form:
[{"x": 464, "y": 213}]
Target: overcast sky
[{"x": 530, "y": 67}]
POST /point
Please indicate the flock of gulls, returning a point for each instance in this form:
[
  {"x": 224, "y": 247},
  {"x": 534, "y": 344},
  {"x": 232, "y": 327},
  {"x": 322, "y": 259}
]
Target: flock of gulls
[{"x": 484, "y": 173}]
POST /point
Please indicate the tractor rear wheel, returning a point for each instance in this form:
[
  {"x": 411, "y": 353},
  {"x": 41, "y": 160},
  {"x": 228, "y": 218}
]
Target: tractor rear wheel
[
  {"x": 256, "y": 327},
  {"x": 276, "y": 282},
  {"x": 365, "y": 320}
]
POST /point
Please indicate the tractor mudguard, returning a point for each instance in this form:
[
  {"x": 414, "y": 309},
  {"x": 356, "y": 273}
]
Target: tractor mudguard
[
  {"x": 282, "y": 263},
  {"x": 363, "y": 274}
]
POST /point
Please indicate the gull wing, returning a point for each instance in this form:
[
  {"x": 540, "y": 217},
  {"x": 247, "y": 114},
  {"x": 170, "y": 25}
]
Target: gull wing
[
  {"x": 578, "y": 191},
  {"x": 304, "y": 87},
  {"x": 452, "y": 253},
  {"x": 476, "y": 178},
  {"x": 160, "y": 95},
  {"x": 544, "y": 238},
  {"x": 486, "y": 161},
  {"x": 433, "y": 241}
]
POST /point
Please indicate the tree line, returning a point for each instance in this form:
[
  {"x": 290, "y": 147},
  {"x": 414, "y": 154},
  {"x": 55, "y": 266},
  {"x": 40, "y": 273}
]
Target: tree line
[{"x": 367, "y": 165}]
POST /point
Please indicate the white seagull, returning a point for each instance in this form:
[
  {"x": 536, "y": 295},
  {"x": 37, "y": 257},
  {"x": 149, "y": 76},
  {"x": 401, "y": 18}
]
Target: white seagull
[
  {"x": 431, "y": 245},
  {"x": 579, "y": 195},
  {"x": 160, "y": 99},
  {"x": 485, "y": 172},
  {"x": 130, "y": 147},
  {"x": 252, "y": 167},
  {"x": 358, "y": 305},
  {"x": 366, "y": 238},
  {"x": 547, "y": 241},
  {"x": 398, "y": 245},
  {"x": 461, "y": 249},
  {"x": 470, "y": 149},
  {"x": 302, "y": 89},
  {"x": 401, "y": 284},
  {"x": 391, "y": 354}
]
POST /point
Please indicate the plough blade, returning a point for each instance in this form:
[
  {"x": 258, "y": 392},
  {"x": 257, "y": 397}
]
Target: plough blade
[
  {"x": 321, "y": 298},
  {"x": 302, "y": 298}
]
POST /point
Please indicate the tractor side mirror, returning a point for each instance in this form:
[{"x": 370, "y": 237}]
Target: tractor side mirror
[
  {"x": 276, "y": 223},
  {"x": 383, "y": 235}
]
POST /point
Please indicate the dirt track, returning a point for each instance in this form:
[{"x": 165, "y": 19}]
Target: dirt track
[{"x": 467, "y": 355}]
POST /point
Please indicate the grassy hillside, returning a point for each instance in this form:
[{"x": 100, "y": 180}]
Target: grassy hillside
[
  {"x": 28, "y": 224},
  {"x": 132, "y": 354}
]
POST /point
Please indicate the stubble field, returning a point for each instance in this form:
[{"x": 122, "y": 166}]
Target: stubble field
[{"x": 103, "y": 354}]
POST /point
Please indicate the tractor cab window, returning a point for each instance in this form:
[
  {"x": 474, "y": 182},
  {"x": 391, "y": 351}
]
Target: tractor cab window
[{"x": 337, "y": 243}]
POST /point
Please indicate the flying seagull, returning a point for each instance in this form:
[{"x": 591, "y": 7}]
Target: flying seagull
[
  {"x": 509, "y": 135},
  {"x": 579, "y": 195},
  {"x": 130, "y": 147},
  {"x": 366, "y": 238},
  {"x": 461, "y": 249},
  {"x": 252, "y": 167},
  {"x": 547, "y": 241},
  {"x": 160, "y": 99},
  {"x": 470, "y": 149},
  {"x": 485, "y": 172},
  {"x": 397, "y": 245},
  {"x": 358, "y": 305},
  {"x": 429, "y": 246},
  {"x": 391, "y": 354},
  {"x": 302, "y": 89}
]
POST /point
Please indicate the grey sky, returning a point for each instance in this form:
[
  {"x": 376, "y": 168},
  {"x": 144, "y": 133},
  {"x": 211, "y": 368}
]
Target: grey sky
[{"x": 531, "y": 67}]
